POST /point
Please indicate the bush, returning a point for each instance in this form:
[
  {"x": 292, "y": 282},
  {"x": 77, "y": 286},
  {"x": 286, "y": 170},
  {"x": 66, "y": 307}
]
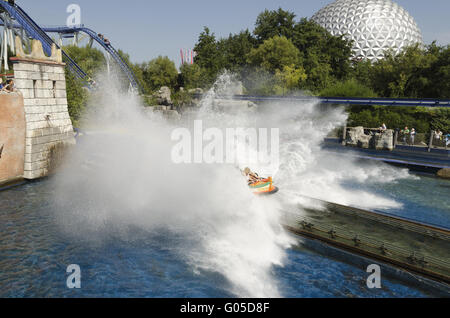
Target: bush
[
  {"x": 348, "y": 88},
  {"x": 191, "y": 76},
  {"x": 423, "y": 120}
]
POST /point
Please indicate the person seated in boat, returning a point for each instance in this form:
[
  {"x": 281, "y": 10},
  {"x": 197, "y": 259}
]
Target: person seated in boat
[{"x": 252, "y": 177}]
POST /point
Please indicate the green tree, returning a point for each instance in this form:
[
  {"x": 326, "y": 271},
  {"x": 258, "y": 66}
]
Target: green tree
[
  {"x": 137, "y": 69},
  {"x": 319, "y": 73},
  {"x": 291, "y": 77},
  {"x": 348, "y": 88},
  {"x": 160, "y": 72},
  {"x": 440, "y": 119},
  {"x": 235, "y": 48},
  {"x": 77, "y": 97},
  {"x": 274, "y": 54},
  {"x": 361, "y": 71},
  {"x": 209, "y": 56},
  {"x": 438, "y": 74},
  {"x": 325, "y": 57},
  {"x": 402, "y": 75},
  {"x": 91, "y": 60},
  {"x": 258, "y": 81},
  {"x": 191, "y": 76},
  {"x": 274, "y": 23}
]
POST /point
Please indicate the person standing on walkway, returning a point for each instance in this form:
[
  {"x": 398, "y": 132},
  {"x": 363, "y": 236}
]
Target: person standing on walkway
[
  {"x": 412, "y": 136},
  {"x": 405, "y": 133}
]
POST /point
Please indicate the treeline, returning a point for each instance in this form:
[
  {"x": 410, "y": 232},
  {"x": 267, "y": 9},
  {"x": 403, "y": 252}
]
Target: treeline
[
  {"x": 283, "y": 55},
  {"x": 301, "y": 55}
]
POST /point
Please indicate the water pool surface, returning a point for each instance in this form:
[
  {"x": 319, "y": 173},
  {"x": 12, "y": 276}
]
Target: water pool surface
[{"x": 35, "y": 252}]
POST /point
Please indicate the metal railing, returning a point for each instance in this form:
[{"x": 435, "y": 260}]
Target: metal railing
[{"x": 430, "y": 140}]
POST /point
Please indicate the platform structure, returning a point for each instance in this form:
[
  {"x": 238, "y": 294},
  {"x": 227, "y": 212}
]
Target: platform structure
[{"x": 412, "y": 246}]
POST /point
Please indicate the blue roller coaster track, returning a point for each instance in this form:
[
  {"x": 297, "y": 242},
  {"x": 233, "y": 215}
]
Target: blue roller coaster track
[
  {"x": 351, "y": 101},
  {"x": 25, "y": 22}
]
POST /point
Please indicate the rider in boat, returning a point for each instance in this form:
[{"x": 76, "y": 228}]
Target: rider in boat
[{"x": 252, "y": 177}]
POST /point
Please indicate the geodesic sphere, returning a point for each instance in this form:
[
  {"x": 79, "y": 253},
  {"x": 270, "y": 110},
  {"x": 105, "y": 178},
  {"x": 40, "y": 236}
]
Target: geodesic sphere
[{"x": 373, "y": 25}]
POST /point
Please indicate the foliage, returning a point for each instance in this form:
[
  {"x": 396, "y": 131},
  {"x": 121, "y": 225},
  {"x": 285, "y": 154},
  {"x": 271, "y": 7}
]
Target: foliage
[
  {"x": 191, "y": 76},
  {"x": 259, "y": 81},
  {"x": 235, "y": 49},
  {"x": 137, "y": 70},
  {"x": 274, "y": 23},
  {"x": 182, "y": 98},
  {"x": 440, "y": 119},
  {"x": 348, "y": 88},
  {"x": 77, "y": 97},
  {"x": 414, "y": 73},
  {"x": 423, "y": 120},
  {"x": 160, "y": 72},
  {"x": 291, "y": 77},
  {"x": 274, "y": 54},
  {"x": 438, "y": 74},
  {"x": 91, "y": 60},
  {"x": 325, "y": 56},
  {"x": 209, "y": 57},
  {"x": 282, "y": 55}
]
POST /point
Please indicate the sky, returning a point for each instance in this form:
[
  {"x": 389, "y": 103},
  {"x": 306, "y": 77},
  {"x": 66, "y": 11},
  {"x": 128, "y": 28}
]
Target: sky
[{"x": 146, "y": 29}]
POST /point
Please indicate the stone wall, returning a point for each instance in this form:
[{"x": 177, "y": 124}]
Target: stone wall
[
  {"x": 12, "y": 137},
  {"x": 444, "y": 173},
  {"x": 356, "y": 137},
  {"x": 41, "y": 81}
]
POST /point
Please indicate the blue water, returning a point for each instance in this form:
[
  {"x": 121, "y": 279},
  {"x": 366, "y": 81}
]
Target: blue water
[
  {"x": 424, "y": 198},
  {"x": 35, "y": 252}
]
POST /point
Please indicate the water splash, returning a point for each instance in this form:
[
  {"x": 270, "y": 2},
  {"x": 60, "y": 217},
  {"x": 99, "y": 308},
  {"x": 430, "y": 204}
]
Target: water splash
[{"x": 123, "y": 177}]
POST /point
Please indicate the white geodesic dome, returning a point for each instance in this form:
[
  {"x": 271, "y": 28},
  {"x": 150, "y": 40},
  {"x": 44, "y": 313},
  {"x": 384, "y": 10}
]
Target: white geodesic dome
[{"x": 374, "y": 25}]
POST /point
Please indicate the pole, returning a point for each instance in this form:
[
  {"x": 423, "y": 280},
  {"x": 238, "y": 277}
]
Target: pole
[
  {"x": 395, "y": 138},
  {"x": 344, "y": 135},
  {"x": 430, "y": 144}
]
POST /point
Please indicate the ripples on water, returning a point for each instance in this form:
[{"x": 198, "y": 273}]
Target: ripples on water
[
  {"x": 34, "y": 255},
  {"x": 425, "y": 198}
]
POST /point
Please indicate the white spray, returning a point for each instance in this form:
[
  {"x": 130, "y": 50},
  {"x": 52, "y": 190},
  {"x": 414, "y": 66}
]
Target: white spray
[{"x": 124, "y": 177}]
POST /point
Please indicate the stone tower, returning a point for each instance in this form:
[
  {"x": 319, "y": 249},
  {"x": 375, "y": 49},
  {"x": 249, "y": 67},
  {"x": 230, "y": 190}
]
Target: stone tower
[{"x": 40, "y": 82}]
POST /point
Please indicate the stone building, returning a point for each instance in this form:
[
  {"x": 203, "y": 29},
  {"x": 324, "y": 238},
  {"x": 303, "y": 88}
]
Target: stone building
[{"x": 41, "y": 89}]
